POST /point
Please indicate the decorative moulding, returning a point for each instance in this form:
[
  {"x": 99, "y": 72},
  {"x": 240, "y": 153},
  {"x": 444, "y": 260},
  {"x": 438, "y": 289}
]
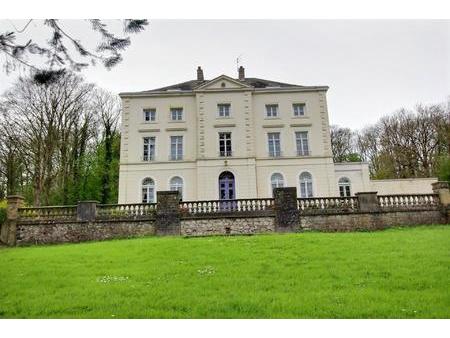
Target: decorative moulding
[
  {"x": 273, "y": 125},
  {"x": 224, "y": 125},
  {"x": 148, "y": 130},
  {"x": 301, "y": 124},
  {"x": 176, "y": 129}
]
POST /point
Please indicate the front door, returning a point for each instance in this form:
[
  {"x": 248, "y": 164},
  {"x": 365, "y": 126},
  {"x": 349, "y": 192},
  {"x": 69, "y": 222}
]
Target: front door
[
  {"x": 226, "y": 191},
  {"x": 226, "y": 186}
]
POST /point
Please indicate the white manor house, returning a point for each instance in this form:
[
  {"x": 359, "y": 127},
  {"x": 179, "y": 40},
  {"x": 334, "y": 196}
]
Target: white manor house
[{"x": 230, "y": 138}]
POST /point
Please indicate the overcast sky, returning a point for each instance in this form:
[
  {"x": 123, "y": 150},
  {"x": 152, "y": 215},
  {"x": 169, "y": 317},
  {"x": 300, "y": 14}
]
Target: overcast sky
[{"x": 372, "y": 67}]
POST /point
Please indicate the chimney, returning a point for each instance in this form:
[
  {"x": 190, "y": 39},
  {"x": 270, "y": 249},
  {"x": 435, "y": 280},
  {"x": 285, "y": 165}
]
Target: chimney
[
  {"x": 200, "y": 76},
  {"x": 241, "y": 73}
]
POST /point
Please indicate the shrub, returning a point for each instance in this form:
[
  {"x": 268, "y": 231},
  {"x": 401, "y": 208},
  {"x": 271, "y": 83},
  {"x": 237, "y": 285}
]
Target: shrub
[{"x": 444, "y": 168}]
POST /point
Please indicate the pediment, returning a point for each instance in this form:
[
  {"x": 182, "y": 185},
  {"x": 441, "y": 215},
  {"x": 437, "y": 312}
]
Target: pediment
[{"x": 222, "y": 82}]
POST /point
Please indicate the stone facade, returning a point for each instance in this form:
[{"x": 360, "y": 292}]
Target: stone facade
[
  {"x": 168, "y": 213},
  {"x": 73, "y": 232},
  {"x": 286, "y": 211},
  {"x": 370, "y": 221},
  {"x": 227, "y": 226}
]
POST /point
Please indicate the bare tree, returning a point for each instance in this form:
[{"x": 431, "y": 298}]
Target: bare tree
[
  {"x": 43, "y": 121},
  {"x": 61, "y": 47},
  {"x": 341, "y": 143}
]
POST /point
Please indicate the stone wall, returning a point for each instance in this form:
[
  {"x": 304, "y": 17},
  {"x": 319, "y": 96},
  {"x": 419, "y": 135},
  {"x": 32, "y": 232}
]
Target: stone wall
[
  {"x": 227, "y": 226},
  {"x": 73, "y": 232},
  {"x": 370, "y": 221},
  {"x": 285, "y": 213}
]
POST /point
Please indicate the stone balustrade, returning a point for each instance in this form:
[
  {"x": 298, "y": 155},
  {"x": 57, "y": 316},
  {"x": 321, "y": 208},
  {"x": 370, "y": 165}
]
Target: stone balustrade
[{"x": 284, "y": 213}]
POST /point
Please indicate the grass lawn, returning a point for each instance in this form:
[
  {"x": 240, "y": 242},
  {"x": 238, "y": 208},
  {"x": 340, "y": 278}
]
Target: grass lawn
[{"x": 397, "y": 273}]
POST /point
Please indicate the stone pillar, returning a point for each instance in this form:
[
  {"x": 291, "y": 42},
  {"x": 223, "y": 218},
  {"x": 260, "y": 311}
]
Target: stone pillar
[
  {"x": 442, "y": 189},
  {"x": 168, "y": 220},
  {"x": 368, "y": 201},
  {"x": 8, "y": 230},
  {"x": 286, "y": 211},
  {"x": 86, "y": 211}
]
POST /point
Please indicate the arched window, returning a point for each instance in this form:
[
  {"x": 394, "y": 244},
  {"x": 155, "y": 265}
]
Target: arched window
[
  {"x": 176, "y": 183},
  {"x": 306, "y": 189},
  {"x": 277, "y": 181},
  {"x": 344, "y": 187},
  {"x": 148, "y": 190}
]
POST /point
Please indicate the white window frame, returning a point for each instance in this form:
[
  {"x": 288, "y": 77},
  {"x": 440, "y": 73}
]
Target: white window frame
[
  {"x": 226, "y": 152},
  {"x": 152, "y": 114},
  {"x": 308, "y": 184},
  {"x": 304, "y": 149},
  {"x": 150, "y": 190},
  {"x": 270, "y": 113},
  {"x": 277, "y": 183},
  {"x": 223, "y": 113},
  {"x": 177, "y": 186},
  {"x": 150, "y": 156},
  {"x": 296, "y": 104},
  {"x": 179, "y": 114},
  {"x": 271, "y": 144},
  {"x": 345, "y": 183},
  {"x": 178, "y": 148}
]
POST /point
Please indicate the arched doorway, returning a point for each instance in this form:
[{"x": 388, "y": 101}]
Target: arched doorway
[{"x": 227, "y": 189}]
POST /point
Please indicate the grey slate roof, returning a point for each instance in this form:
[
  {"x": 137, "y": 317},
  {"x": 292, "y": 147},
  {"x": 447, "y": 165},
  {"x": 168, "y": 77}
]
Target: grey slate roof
[{"x": 251, "y": 81}]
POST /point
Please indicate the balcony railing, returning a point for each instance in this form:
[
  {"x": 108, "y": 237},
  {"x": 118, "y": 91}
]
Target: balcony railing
[
  {"x": 176, "y": 158},
  {"x": 148, "y": 158},
  {"x": 405, "y": 201},
  {"x": 226, "y": 206},
  {"x": 327, "y": 204},
  {"x": 135, "y": 210},
  {"x": 275, "y": 154},
  {"x": 66, "y": 212},
  {"x": 303, "y": 152},
  {"x": 225, "y": 153}
]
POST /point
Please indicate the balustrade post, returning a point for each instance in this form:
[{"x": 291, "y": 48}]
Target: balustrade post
[
  {"x": 8, "y": 229},
  {"x": 442, "y": 189},
  {"x": 87, "y": 211},
  {"x": 368, "y": 201},
  {"x": 287, "y": 217},
  {"x": 168, "y": 215}
]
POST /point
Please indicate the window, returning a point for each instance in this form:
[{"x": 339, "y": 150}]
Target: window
[
  {"x": 176, "y": 184},
  {"x": 299, "y": 109},
  {"x": 148, "y": 190},
  {"x": 224, "y": 144},
  {"x": 277, "y": 181},
  {"x": 149, "y": 115},
  {"x": 306, "y": 189},
  {"x": 301, "y": 140},
  {"x": 149, "y": 148},
  {"x": 224, "y": 109},
  {"x": 344, "y": 187},
  {"x": 176, "y": 114},
  {"x": 176, "y": 148},
  {"x": 274, "y": 144},
  {"x": 271, "y": 110}
]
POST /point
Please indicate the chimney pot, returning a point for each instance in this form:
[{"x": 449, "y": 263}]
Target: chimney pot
[
  {"x": 200, "y": 76},
  {"x": 241, "y": 73}
]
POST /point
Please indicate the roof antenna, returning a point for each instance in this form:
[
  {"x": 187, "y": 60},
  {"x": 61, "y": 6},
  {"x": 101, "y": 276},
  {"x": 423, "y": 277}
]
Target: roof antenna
[{"x": 238, "y": 60}]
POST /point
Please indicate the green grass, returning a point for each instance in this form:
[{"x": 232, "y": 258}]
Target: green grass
[{"x": 397, "y": 273}]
